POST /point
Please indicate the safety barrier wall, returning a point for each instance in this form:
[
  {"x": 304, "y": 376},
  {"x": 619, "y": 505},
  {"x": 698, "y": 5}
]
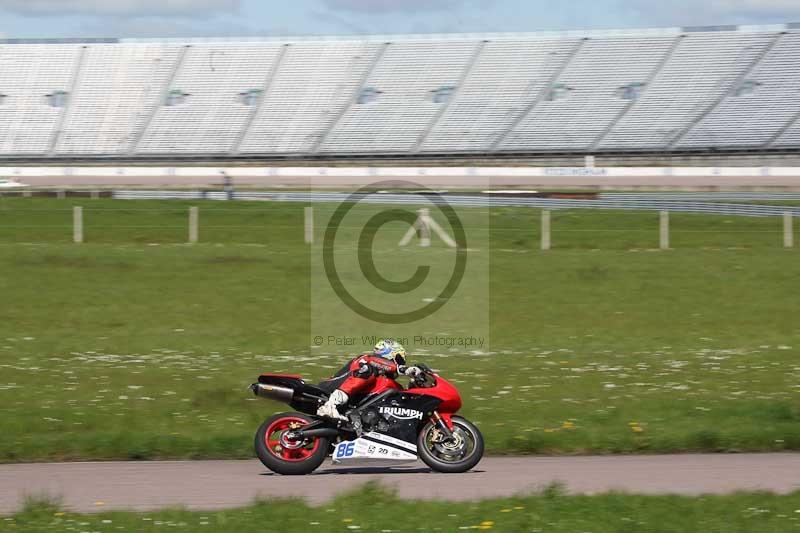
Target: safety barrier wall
[
  {"x": 638, "y": 204},
  {"x": 409, "y": 172}
]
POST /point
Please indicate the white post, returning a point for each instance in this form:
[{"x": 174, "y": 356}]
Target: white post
[
  {"x": 26, "y": 193},
  {"x": 663, "y": 233},
  {"x": 309, "y": 225},
  {"x": 546, "y": 230},
  {"x": 77, "y": 224},
  {"x": 95, "y": 194},
  {"x": 424, "y": 227},
  {"x": 61, "y": 194},
  {"x": 193, "y": 224},
  {"x": 788, "y": 230}
]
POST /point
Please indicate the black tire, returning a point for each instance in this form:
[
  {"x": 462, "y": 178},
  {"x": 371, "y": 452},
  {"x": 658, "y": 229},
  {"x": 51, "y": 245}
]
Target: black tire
[
  {"x": 464, "y": 464},
  {"x": 297, "y": 467}
]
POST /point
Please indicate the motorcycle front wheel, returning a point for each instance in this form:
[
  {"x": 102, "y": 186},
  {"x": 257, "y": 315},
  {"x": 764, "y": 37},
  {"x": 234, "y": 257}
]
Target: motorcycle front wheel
[
  {"x": 284, "y": 456},
  {"x": 454, "y": 456}
]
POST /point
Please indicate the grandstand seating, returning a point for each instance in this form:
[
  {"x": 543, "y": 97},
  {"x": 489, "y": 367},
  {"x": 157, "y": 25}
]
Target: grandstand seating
[
  {"x": 313, "y": 86},
  {"x": 679, "y": 89},
  {"x": 119, "y": 88},
  {"x": 215, "y": 79},
  {"x": 407, "y": 74},
  {"x": 747, "y": 118},
  {"x": 593, "y": 80},
  {"x": 702, "y": 69},
  {"x": 505, "y": 77},
  {"x": 29, "y": 77}
]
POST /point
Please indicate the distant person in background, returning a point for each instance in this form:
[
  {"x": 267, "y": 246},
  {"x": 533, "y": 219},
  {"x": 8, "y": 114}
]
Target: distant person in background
[{"x": 227, "y": 185}]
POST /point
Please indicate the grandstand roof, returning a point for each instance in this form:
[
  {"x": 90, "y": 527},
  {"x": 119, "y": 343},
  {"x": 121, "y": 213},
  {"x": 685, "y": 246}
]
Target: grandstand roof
[{"x": 548, "y": 34}]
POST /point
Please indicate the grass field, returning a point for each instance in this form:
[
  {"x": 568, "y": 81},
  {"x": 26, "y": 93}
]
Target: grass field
[
  {"x": 134, "y": 345},
  {"x": 550, "y": 511}
]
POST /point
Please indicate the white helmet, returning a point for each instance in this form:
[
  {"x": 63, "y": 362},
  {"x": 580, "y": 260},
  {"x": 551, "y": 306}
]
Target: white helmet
[{"x": 390, "y": 349}]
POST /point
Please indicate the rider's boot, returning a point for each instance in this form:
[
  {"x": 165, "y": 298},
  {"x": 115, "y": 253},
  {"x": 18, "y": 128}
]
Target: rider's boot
[{"x": 330, "y": 408}]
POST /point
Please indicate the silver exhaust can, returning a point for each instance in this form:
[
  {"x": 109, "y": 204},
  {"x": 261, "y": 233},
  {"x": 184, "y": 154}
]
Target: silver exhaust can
[{"x": 273, "y": 392}]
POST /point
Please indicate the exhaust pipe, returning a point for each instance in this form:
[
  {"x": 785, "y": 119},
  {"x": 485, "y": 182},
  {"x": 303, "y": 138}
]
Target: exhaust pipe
[
  {"x": 321, "y": 432},
  {"x": 273, "y": 392}
]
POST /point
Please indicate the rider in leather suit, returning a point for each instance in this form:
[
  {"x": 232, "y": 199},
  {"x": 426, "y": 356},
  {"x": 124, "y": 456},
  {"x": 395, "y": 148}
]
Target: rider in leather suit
[{"x": 387, "y": 359}]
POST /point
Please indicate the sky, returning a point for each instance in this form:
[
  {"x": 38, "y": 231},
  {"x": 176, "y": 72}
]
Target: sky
[{"x": 240, "y": 18}]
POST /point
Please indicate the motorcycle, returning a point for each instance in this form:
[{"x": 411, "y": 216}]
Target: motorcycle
[{"x": 392, "y": 424}]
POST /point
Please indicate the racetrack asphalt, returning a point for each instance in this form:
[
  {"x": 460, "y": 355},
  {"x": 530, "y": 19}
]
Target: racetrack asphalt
[{"x": 92, "y": 487}]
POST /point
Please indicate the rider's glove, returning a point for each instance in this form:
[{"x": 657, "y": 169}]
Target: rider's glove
[{"x": 412, "y": 371}]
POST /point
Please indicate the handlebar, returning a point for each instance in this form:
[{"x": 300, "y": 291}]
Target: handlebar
[
  {"x": 425, "y": 368},
  {"x": 425, "y": 377}
]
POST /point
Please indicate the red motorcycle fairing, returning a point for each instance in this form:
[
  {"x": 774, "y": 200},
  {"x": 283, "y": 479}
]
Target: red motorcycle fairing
[
  {"x": 444, "y": 390},
  {"x": 447, "y": 393},
  {"x": 382, "y": 383}
]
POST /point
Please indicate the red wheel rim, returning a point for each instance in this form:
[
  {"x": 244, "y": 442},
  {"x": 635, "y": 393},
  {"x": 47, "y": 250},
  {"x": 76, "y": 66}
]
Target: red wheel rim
[{"x": 273, "y": 439}]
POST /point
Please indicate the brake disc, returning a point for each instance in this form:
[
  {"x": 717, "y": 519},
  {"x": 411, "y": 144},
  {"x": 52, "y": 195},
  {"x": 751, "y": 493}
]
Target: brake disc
[{"x": 452, "y": 446}]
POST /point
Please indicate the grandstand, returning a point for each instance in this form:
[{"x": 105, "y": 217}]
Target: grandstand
[{"x": 677, "y": 90}]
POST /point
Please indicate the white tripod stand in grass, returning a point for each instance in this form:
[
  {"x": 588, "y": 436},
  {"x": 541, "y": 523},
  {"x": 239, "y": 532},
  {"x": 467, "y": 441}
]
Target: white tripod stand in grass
[{"x": 424, "y": 225}]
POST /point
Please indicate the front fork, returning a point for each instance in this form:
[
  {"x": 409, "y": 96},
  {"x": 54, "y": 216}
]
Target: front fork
[{"x": 443, "y": 424}]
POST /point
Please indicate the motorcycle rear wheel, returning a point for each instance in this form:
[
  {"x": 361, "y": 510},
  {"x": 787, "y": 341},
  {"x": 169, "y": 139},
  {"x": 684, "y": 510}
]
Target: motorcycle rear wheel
[
  {"x": 289, "y": 458},
  {"x": 451, "y": 458}
]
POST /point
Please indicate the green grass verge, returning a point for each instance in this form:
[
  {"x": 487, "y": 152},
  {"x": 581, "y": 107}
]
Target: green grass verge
[
  {"x": 135, "y": 346},
  {"x": 377, "y": 509}
]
